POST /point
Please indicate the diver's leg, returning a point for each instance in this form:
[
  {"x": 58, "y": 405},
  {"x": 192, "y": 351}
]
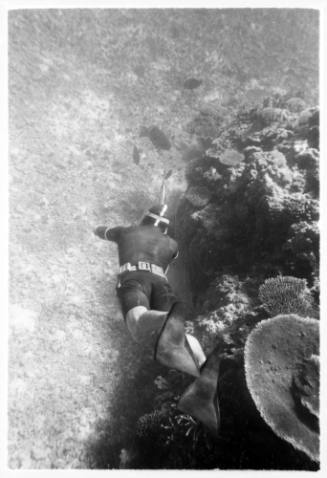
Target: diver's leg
[
  {"x": 172, "y": 348},
  {"x": 173, "y": 344},
  {"x": 162, "y": 330},
  {"x": 200, "y": 399},
  {"x": 175, "y": 349},
  {"x": 142, "y": 323},
  {"x": 132, "y": 318},
  {"x": 166, "y": 335},
  {"x": 163, "y": 298}
]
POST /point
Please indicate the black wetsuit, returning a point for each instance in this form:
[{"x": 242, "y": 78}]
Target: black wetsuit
[{"x": 146, "y": 244}]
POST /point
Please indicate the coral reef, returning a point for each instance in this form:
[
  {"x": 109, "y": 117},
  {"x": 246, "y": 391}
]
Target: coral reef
[
  {"x": 228, "y": 312},
  {"x": 249, "y": 224},
  {"x": 252, "y": 204},
  {"x": 285, "y": 295},
  {"x": 276, "y": 352}
]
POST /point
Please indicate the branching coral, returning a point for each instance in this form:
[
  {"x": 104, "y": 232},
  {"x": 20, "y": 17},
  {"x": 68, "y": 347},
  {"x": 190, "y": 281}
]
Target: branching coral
[
  {"x": 148, "y": 426},
  {"x": 285, "y": 295},
  {"x": 173, "y": 439},
  {"x": 276, "y": 352}
]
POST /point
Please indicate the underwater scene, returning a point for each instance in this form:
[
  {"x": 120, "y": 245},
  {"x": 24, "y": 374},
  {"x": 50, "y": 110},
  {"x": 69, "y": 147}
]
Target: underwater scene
[{"x": 214, "y": 112}]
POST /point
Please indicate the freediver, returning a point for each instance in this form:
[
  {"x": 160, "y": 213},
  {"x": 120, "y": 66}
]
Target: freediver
[{"x": 153, "y": 313}]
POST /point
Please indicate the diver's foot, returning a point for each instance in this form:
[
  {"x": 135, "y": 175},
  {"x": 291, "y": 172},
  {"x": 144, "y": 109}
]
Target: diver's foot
[
  {"x": 200, "y": 400},
  {"x": 172, "y": 348}
]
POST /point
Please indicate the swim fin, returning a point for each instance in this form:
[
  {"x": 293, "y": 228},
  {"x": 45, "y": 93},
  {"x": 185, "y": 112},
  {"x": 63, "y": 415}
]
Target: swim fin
[{"x": 200, "y": 399}]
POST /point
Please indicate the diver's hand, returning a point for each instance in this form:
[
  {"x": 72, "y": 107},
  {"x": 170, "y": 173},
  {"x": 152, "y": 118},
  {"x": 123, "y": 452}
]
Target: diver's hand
[{"x": 100, "y": 231}]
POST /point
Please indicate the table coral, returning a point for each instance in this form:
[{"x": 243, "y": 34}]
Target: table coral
[{"x": 275, "y": 351}]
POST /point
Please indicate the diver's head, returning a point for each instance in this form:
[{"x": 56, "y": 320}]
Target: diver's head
[{"x": 155, "y": 217}]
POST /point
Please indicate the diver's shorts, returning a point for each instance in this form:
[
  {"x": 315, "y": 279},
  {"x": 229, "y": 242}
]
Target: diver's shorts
[{"x": 143, "y": 288}]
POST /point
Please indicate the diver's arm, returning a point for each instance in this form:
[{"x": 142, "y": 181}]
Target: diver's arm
[
  {"x": 107, "y": 233},
  {"x": 174, "y": 249}
]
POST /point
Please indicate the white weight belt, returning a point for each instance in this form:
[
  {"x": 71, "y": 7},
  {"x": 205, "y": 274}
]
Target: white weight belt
[{"x": 143, "y": 266}]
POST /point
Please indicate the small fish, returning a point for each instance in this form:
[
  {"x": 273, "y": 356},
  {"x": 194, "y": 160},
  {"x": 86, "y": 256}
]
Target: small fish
[
  {"x": 167, "y": 175},
  {"x": 136, "y": 155},
  {"x": 192, "y": 83},
  {"x": 157, "y": 137}
]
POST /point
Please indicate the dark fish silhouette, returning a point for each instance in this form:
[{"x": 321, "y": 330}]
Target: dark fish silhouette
[
  {"x": 192, "y": 83},
  {"x": 136, "y": 155},
  {"x": 157, "y": 137},
  {"x": 167, "y": 175}
]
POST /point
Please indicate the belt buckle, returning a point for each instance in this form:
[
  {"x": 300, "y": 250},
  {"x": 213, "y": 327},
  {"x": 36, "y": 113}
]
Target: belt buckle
[
  {"x": 125, "y": 267},
  {"x": 144, "y": 266},
  {"x": 158, "y": 270},
  {"x": 155, "y": 269}
]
